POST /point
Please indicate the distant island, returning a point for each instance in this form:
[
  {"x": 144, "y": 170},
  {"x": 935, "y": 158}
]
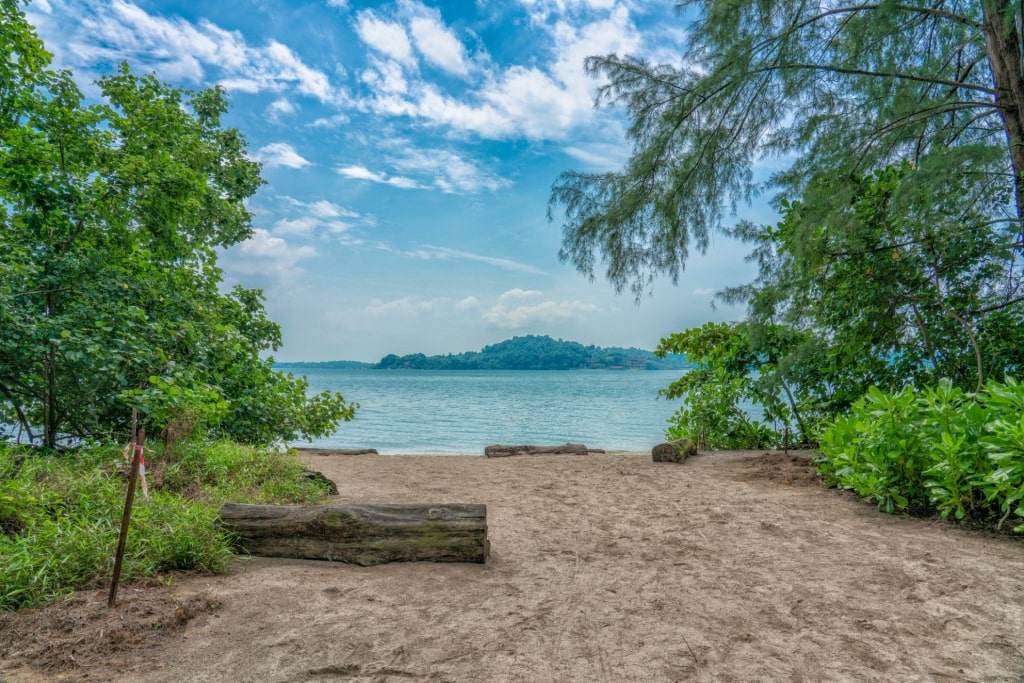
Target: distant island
[{"x": 531, "y": 352}]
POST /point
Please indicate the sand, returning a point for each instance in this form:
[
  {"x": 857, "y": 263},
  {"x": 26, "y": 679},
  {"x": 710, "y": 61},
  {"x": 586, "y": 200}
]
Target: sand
[{"x": 730, "y": 567}]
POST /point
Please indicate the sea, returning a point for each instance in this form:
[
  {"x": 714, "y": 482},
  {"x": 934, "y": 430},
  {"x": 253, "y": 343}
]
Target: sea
[{"x": 460, "y": 412}]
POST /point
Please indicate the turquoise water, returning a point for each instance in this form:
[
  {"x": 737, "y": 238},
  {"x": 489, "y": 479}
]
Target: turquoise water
[{"x": 461, "y": 412}]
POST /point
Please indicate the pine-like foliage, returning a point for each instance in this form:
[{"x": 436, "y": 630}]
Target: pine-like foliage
[{"x": 842, "y": 88}]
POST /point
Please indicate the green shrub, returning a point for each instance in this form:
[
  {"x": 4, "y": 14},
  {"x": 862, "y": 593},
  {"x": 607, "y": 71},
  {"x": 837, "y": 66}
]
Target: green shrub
[
  {"x": 938, "y": 449},
  {"x": 224, "y": 470},
  {"x": 60, "y": 514}
]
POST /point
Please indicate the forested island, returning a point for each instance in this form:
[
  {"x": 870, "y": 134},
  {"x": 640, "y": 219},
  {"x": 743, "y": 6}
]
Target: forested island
[{"x": 531, "y": 352}]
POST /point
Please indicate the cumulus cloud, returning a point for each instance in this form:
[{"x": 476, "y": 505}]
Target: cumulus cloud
[
  {"x": 470, "y": 303},
  {"x": 385, "y": 37},
  {"x": 264, "y": 253},
  {"x": 545, "y": 100},
  {"x": 280, "y": 154},
  {"x": 109, "y": 32},
  {"x": 386, "y": 77},
  {"x": 438, "y": 44},
  {"x": 518, "y": 308}
]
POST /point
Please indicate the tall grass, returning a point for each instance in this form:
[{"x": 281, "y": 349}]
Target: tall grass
[{"x": 60, "y": 513}]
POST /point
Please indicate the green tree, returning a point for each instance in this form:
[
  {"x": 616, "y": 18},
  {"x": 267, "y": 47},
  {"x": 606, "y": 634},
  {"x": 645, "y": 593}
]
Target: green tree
[
  {"x": 737, "y": 366},
  {"x": 111, "y": 215},
  {"x": 844, "y": 88},
  {"x": 904, "y": 292}
]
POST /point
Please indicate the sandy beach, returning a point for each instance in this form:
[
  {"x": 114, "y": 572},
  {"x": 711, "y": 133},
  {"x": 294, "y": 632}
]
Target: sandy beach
[{"x": 731, "y": 567}]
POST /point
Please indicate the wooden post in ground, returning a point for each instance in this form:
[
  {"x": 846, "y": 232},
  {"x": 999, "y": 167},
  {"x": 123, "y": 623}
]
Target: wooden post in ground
[{"x": 133, "y": 476}]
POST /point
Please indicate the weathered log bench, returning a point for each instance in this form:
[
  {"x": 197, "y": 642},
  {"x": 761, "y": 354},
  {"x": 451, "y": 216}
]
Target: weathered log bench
[
  {"x": 502, "y": 451},
  {"x": 337, "y": 451},
  {"x": 361, "y": 534}
]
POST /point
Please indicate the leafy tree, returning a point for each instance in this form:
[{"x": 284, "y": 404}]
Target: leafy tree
[
  {"x": 843, "y": 87},
  {"x": 110, "y": 218},
  {"x": 905, "y": 291},
  {"x": 736, "y": 367}
]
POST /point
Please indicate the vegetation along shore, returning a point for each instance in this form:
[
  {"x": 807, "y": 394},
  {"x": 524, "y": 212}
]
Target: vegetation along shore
[{"x": 883, "y": 336}]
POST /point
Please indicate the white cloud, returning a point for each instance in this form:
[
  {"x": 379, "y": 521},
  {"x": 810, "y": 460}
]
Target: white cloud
[
  {"x": 280, "y": 154},
  {"x": 542, "y": 100},
  {"x": 280, "y": 108},
  {"x": 409, "y": 307},
  {"x": 385, "y": 76},
  {"x": 312, "y": 217},
  {"x": 326, "y": 209},
  {"x": 176, "y": 49},
  {"x": 519, "y": 308},
  {"x": 358, "y": 172},
  {"x": 329, "y": 121},
  {"x": 385, "y": 37},
  {"x": 295, "y": 226},
  {"x": 432, "y": 253},
  {"x": 601, "y": 156},
  {"x": 340, "y": 4},
  {"x": 515, "y": 309},
  {"x": 438, "y": 45},
  {"x": 447, "y": 171},
  {"x": 264, "y": 254},
  {"x": 470, "y": 303},
  {"x": 704, "y": 291}
]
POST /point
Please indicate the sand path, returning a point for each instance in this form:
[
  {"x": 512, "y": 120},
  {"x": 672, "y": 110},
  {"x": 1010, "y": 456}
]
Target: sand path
[{"x": 615, "y": 568}]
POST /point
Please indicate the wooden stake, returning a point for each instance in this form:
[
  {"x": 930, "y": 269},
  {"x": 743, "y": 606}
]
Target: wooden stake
[{"x": 126, "y": 518}]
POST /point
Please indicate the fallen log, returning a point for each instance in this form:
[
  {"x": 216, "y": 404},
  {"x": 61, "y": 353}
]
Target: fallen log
[
  {"x": 361, "y": 534},
  {"x": 502, "y": 451},
  {"x": 338, "y": 451}
]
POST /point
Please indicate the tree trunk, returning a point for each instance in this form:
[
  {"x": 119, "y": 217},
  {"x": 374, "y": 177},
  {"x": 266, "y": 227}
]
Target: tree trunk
[
  {"x": 361, "y": 534},
  {"x": 1003, "y": 45}
]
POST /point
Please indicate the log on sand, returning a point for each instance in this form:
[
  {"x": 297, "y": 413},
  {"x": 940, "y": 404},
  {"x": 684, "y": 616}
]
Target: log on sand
[
  {"x": 361, "y": 534},
  {"x": 338, "y": 451},
  {"x": 501, "y": 451}
]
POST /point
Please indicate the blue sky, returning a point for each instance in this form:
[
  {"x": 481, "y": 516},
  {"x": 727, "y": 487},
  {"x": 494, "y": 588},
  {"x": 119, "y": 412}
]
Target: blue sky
[{"x": 409, "y": 148}]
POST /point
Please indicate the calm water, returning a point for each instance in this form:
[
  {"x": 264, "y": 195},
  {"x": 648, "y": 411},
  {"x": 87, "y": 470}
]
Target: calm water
[{"x": 461, "y": 412}]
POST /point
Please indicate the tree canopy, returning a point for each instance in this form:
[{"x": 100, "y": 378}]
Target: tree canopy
[
  {"x": 842, "y": 88},
  {"x": 111, "y": 215}
]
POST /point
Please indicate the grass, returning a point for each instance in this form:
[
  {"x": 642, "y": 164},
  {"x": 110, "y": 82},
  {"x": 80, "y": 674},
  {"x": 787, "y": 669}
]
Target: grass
[{"x": 60, "y": 513}]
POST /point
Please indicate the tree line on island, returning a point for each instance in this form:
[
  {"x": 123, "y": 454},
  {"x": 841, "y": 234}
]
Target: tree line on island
[{"x": 530, "y": 352}]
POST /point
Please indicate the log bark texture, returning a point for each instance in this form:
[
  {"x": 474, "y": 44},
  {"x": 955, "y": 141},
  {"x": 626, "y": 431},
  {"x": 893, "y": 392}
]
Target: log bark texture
[
  {"x": 338, "y": 451},
  {"x": 501, "y": 451},
  {"x": 674, "y": 451},
  {"x": 361, "y": 534}
]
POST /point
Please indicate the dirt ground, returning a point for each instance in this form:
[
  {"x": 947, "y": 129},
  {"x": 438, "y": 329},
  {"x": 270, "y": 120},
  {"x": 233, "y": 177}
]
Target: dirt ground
[{"x": 730, "y": 567}]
